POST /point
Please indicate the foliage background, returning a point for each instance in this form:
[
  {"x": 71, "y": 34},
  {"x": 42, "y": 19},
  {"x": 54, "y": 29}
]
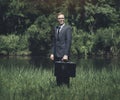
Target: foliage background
[{"x": 26, "y": 26}]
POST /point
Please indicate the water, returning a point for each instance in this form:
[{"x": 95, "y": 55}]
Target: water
[
  {"x": 99, "y": 63},
  {"x": 46, "y": 63},
  {"x": 25, "y": 61}
]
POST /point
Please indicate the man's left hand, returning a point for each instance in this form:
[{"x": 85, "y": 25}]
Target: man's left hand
[{"x": 65, "y": 58}]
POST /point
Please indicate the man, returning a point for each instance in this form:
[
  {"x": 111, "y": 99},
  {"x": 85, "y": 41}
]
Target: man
[{"x": 61, "y": 45}]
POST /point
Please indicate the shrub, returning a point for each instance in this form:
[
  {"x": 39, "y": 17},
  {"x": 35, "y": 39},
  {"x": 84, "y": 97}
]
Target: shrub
[
  {"x": 12, "y": 44},
  {"x": 82, "y": 42},
  {"x": 107, "y": 41},
  {"x": 9, "y": 43},
  {"x": 39, "y": 36}
]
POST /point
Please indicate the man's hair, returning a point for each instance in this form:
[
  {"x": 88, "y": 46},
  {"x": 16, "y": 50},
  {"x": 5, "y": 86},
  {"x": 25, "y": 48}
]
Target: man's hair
[{"x": 60, "y": 13}]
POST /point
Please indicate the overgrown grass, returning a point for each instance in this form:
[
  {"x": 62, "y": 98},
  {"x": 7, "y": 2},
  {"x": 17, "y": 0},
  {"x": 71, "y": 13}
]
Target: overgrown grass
[{"x": 30, "y": 83}]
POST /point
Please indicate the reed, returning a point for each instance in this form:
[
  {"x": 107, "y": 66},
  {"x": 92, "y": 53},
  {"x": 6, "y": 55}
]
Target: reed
[{"x": 30, "y": 83}]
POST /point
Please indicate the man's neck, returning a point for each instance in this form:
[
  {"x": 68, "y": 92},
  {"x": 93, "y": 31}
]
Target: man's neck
[{"x": 62, "y": 24}]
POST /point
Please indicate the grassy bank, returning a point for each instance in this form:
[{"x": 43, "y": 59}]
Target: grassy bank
[{"x": 29, "y": 83}]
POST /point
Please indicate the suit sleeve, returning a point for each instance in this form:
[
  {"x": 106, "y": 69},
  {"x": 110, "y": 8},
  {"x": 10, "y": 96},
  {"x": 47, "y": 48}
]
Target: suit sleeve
[
  {"x": 68, "y": 40},
  {"x": 53, "y": 42}
]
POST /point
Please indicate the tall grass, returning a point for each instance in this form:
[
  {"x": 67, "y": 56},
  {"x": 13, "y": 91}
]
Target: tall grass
[{"x": 30, "y": 83}]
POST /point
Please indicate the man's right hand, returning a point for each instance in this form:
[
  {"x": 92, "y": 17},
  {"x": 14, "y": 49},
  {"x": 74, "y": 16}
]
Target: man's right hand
[{"x": 52, "y": 57}]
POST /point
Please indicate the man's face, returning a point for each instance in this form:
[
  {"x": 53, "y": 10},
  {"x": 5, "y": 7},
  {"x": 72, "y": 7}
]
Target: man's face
[{"x": 61, "y": 19}]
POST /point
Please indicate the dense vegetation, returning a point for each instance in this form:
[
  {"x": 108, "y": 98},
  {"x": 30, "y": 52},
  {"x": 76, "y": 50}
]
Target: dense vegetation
[
  {"x": 26, "y": 26},
  {"x": 30, "y": 83}
]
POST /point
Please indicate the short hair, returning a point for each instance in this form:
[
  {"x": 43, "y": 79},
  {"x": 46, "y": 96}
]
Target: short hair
[{"x": 60, "y": 13}]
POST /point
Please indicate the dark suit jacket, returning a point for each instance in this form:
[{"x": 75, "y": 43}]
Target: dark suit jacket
[{"x": 62, "y": 45}]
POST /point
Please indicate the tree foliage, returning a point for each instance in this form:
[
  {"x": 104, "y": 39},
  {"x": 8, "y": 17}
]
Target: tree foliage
[{"x": 95, "y": 25}]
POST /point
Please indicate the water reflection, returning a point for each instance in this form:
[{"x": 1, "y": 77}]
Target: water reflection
[
  {"x": 26, "y": 61},
  {"x": 14, "y": 61},
  {"x": 41, "y": 62},
  {"x": 96, "y": 63}
]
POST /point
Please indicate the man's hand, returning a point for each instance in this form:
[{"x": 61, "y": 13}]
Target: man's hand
[
  {"x": 65, "y": 58},
  {"x": 52, "y": 57}
]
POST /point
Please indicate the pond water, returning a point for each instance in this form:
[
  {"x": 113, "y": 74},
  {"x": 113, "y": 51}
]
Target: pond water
[{"x": 96, "y": 63}]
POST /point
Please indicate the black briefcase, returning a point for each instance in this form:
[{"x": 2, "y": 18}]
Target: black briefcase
[{"x": 65, "y": 69}]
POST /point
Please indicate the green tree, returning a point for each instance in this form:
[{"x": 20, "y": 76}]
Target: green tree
[
  {"x": 90, "y": 18},
  {"x": 40, "y": 35}
]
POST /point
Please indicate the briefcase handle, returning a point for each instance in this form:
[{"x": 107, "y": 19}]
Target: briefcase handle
[{"x": 64, "y": 62}]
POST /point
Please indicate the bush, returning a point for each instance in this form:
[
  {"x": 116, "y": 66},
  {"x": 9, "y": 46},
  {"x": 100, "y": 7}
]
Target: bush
[
  {"x": 115, "y": 48},
  {"x": 82, "y": 42},
  {"x": 40, "y": 36},
  {"x": 9, "y": 43},
  {"x": 107, "y": 41},
  {"x": 12, "y": 44}
]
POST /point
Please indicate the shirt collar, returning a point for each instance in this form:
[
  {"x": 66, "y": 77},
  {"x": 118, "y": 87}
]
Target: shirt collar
[{"x": 61, "y": 26}]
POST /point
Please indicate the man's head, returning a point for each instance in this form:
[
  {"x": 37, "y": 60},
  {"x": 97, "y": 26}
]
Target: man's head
[{"x": 61, "y": 18}]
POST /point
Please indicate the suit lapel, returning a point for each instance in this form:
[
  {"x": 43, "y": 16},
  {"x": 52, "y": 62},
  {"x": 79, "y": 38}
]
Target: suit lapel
[
  {"x": 61, "y": 31},
  {"x": 56, "y": 32}
]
